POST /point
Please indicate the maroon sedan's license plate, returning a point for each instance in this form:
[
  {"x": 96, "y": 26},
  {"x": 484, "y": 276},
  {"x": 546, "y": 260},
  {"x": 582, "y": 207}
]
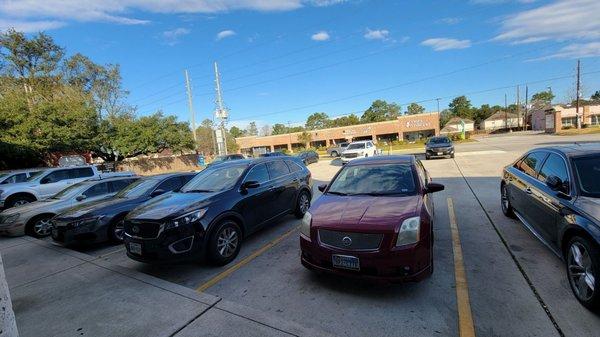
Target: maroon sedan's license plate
[{"x": 345, "y": 262}]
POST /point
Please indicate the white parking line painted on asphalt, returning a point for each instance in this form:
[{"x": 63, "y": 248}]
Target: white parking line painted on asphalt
[{"x": 478, "y": 153}]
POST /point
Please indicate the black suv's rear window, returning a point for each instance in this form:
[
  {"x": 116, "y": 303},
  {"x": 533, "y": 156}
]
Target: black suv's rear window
[{"x": 587, "y": 170}]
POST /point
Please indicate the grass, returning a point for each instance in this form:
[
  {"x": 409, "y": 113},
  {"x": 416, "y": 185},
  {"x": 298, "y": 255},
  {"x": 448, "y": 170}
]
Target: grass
[{"x": 585, "y": 131}]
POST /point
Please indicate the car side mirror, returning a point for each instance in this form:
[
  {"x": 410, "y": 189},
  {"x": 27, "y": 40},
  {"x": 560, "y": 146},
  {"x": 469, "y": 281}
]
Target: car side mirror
[
  {"x": 434, "y": 187},
  {"x": 81, "y": 197},
  {"x": 157, "y": 193},
  {"x": 250, "y": 184},
  {"x": 322, "y": 187}
]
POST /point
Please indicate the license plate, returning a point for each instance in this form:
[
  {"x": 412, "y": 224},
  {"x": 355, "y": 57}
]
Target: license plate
[
  {"x": 440, "y": 153},
  {"x": 345, "y": 262},
  {"x": 135, "y": 248}
]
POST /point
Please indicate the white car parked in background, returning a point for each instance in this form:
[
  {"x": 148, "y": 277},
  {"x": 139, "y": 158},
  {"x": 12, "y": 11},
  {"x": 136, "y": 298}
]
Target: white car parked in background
[
  {"x": 18, "y": 176},
  {"x": 362, "y": 149},
  {"x": 48, "y": 183}
]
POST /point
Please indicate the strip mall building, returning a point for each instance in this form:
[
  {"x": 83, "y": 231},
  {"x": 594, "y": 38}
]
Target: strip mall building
[{"x": 407, "y": 128}]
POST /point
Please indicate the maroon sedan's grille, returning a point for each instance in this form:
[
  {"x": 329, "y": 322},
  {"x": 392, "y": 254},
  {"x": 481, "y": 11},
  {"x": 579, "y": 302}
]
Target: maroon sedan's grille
[{"x": 350, "y": 240}]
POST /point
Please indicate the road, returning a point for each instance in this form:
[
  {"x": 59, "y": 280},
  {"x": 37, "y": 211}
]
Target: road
[{"x": 513, "y": 286}]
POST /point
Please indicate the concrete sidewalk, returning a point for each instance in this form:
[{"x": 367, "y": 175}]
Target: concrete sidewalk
[{"x": 59, "y": 292}]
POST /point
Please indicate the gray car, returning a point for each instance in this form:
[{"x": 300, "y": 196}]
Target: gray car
[{"x": 34, "y": 218}]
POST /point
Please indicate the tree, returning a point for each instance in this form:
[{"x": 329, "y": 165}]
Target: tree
[
  {"x": 445, "y": 116},
  {"x": 279, "y": 129},
  {"x": 414, "y": 109},
  {"x": 305, "y": 137},
  {"x": 484, "y": 112},
  {"x": 236, "y": 132},
  {"x": 461, "y": 107},
  {"x": 206, "y": 137},
  {"x": 351, "y": 119},
  {"x": 265, "y": 130},
  {"x": 318, "y": 120},
  {"x": 252, "y": 130},
  {"x": 542, "y": 99},
  {"x": 379, "y": 111},
  {"x": 596, "y": 97}
]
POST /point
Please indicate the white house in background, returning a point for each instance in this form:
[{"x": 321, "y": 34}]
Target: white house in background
[
  {"x": 454, "y": 125},
  {"x": 501, "y": 120}
]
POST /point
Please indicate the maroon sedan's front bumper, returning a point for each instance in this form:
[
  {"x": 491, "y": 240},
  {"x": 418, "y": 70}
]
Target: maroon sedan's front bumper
[{"x": 403, "y": 264}]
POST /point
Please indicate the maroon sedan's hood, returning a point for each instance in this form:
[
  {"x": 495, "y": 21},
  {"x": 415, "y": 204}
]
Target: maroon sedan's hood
[{"x": 362, "y": 212}]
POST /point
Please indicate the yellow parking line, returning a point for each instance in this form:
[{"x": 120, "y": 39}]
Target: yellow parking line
[
  {"x": 244, "y": 261},
  {"x": 465, "y": 318}
]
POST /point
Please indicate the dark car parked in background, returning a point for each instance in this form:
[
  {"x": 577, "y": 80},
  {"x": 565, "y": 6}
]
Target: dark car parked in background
[
  {"x": 103, "y": 220},
  {"x": 374, "y": 220},
  {"x": 555, "y": 192},
  {"x": 274, "y": 154},
  {"x": 216, "y": 210},
  {"x": 439, "y": 146},
  {"x": 308, "y": 157},
  {"x": 225, "y": 158}
]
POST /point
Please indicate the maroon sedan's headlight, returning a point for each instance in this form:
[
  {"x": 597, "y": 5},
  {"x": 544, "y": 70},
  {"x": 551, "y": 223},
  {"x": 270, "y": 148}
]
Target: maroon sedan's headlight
[
  {"x": 305, "y": 226},
  {"x": 409, "y": 231}
]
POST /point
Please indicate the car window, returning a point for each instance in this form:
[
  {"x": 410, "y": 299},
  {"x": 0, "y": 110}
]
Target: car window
[
  {"x": 277, "y": 169},
  {"x": 118, "y": 185},
  {"x": 531, "y": 164},
  {"x": 185, "y": 179},
  {"x": 258, "y": 173},
  {"x": 356, "y": 146},
  {"x": 421, "y": 173},
  {"x": 215, "y": 178},
  {"x": 83, "y": 172},
  {"x": 170, "y": 184},
  {"x": 96, "y": 190},
  {"x": 16, "y": 178},
  {"x": 56, "y": 176},
  {"x": 294, "y": 167},
  {"x": 587, "y": 170},
  {"x": 138, "y": 188},
  {"x": 387, "y": 179},
  {"x": 554, "y": 166}
]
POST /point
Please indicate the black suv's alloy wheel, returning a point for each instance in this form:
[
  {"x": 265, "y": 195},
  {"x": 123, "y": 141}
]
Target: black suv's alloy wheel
[
  {"x": 303, "y": 204},
  {"x": 225, "y": 243}
]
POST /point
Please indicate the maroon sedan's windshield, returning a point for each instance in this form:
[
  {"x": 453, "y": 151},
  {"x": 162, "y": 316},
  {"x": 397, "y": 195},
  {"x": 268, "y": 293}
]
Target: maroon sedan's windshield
[{"x": 370, "y": 179}]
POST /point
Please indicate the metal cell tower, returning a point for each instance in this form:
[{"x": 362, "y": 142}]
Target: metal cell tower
[{"x": 221, "y": 114}]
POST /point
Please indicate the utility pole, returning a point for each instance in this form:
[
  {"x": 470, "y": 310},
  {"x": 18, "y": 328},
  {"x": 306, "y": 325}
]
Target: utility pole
[
  {"x": 505, "y": 111},
  {"x": 221, "y": 114},
  {"x": 518, "y": 108},
  {"x": 438, "y": 105},
  {"x": 526, "y": 107},
  {"x": 577, "y": 99},
  {"x": 191, "y": 106}
]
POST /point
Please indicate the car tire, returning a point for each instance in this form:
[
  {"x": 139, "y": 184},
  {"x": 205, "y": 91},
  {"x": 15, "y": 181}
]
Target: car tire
[
  {"x": 302, "y": 204},
  {"x": 19, "y": 200},
  {"x": 39, "y": 226},
  {"x": 452, "y": 156},
  {"x": 334, "y": 154},
  {"x": 116, "y": 230},
  {"x": 583, "y": 261},
  {"x": 427, "y": 157},
  {"x": 224, "y": 243},
  {"x": 507, "y": 208}
]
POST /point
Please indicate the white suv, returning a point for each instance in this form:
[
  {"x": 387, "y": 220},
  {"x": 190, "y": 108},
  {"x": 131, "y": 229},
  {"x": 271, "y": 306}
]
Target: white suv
[{"x": 362, "y": 149}]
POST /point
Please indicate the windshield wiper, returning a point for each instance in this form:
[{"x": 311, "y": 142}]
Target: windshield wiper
[
  {"x": 377, "y": 194},
  {"x": 198, "y": 191},
  {"x": 336, "y": 193}
]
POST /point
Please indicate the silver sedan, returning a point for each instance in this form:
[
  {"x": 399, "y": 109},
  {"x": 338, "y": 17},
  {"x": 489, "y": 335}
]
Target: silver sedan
[{"x": 34, "y": 218}]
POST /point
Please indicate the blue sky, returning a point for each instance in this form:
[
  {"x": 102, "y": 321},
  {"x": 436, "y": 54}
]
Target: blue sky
[{"x": 282, "y": 60}]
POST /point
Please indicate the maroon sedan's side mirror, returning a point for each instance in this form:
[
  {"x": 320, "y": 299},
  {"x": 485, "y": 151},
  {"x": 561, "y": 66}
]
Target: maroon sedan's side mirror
[
  {"x": 322, "y": 187},
  {"x": 434, "y": 187}
]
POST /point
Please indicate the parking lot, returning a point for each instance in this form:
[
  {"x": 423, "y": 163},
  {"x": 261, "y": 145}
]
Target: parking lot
[{"x": 514, "y": 285}]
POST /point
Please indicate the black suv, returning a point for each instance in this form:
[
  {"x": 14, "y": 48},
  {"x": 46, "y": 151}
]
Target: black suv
[
  {"x": 555, "y": 192},
  {"x": 212, "y": 213},
  {"x": 440, "y": 146}
]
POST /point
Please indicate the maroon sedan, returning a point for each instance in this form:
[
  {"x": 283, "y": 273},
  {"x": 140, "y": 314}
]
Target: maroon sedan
[{"x": 374, "y": 220}]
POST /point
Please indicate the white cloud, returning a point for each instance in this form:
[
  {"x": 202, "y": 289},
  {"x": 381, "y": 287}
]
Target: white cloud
[
  {"x": 118, "y": 11},
  {"x": 172, "y": 36},
  {"x": 49, "y": 14},
  {"x": 320, "y": 36},
  {"x": 450, "y": 20},
  {"x": 30, "y": 26},
  {"x": 224, "y": 34},
  {"x": 379, "y": 34},
  {"x": 575, "y": 50},
  {"x": 440, "y": 44},
  {"x": 560, "y": 20}
]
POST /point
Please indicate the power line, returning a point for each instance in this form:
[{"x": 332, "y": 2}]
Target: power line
[{"x": 425, "y": 100}]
